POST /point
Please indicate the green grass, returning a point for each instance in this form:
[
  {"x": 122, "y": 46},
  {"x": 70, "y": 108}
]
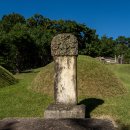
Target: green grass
[
  {"x": 6, "y": 78},
  {"x": 94, "y": 79},
  {"x": 19, "y": 101},
  {"x": 117, "y": 108},
  {"x": 123, "y": 102}
]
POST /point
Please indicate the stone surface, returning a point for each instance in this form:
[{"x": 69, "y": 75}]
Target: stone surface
[
  {"x": 56, "y": 124},
  {"x": 57, "y": 111},
  {"x": 64, "y": 44},
  {"x": 65, "y": 82},
  {"x": 64, "y": 49}
]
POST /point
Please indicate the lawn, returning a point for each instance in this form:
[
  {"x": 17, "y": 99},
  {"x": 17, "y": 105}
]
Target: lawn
[
  {"x": 118, "y": 107},
  {"x": 19, "y": 101}
]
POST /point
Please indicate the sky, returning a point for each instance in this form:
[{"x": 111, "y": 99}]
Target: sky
[{"x": 107, "y": 17}]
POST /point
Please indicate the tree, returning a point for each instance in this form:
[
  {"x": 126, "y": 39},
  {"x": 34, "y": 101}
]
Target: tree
[
  {"x": 42, "y": 39},
  {"x": 27, "y": 51},
  {"x": 127, "y": 56},
  {"x": 121, "y": 48},
  {"x": 8, "y": 21},
  {"x": 7, "y": 52},
  {"x": 38, "y": 20},
  {"x": 107, "y": 47},
  {"x": 27, "y": 42}
]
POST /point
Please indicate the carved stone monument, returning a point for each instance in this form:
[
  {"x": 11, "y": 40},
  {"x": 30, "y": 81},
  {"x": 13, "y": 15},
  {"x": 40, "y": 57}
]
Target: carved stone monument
[{"x": 64, "y": 49}]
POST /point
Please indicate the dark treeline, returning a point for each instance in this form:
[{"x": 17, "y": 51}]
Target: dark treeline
[{"x": 25, "y": 43}]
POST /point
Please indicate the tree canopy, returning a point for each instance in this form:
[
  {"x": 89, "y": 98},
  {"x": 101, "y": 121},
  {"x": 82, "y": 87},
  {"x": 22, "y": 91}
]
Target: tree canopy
[{"x": 25, "y": 43}]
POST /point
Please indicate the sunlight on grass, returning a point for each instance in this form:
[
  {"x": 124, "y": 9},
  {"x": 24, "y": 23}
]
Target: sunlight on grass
[
  {"x": 19, "y": 101},
  {"x": 117, "y": 107},
  {"x": 93, "y": 78}
]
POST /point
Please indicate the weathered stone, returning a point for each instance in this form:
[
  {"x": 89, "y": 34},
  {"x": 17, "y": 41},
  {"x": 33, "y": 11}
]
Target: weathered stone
[
  {"x": 64, "y": 44},
  {"x": 64, "y": 49},
  {"x": 55, "y": 124},
  {"x": 65, "y": 82},
  {"x": 57, "y": 111}
]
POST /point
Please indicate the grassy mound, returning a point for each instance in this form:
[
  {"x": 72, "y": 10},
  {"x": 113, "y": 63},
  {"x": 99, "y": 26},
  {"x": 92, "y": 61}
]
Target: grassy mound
[
  {"x": 6, "y": 78},
  {"x": 94, "y": 79}
]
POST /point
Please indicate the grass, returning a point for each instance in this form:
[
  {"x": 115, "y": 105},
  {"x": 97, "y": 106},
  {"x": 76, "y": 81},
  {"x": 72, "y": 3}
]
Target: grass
[
  {"x": 118, "y": 107},
  {"x": 6, "y": 78},
  {"x": 19, "y": 101},
  {"x": 122, "y": 103},
  {"x": 94, "y": 79}
]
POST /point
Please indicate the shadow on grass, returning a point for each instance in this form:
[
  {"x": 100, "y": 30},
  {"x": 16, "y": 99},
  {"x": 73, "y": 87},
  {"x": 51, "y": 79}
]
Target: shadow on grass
[{"x": 91, "y": 104}]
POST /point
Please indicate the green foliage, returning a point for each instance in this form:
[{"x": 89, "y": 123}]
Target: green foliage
[
  {"x": 7, "y": 52},
  {"x": 122, "y": 48},
  {"x": 27, "y": 50},
  {"x": 8, "y": 21},
  {"x": 42, "y": 38},
  {"x": 25, "y": 43},
  {"x": 38, "y": 20},
  {"x": 127, "y": 56},
  {"x": 107, "y": 47}
]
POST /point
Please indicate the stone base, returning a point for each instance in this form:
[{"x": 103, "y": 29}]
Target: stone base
[
  {"x": 57, "y": 111},
  {"x": 56, "y": 124}
]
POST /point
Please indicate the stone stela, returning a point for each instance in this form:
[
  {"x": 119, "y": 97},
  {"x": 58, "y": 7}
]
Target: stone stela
[
  {"x": 64, "y": 113},
  {"x": 64, "y": 49}
]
